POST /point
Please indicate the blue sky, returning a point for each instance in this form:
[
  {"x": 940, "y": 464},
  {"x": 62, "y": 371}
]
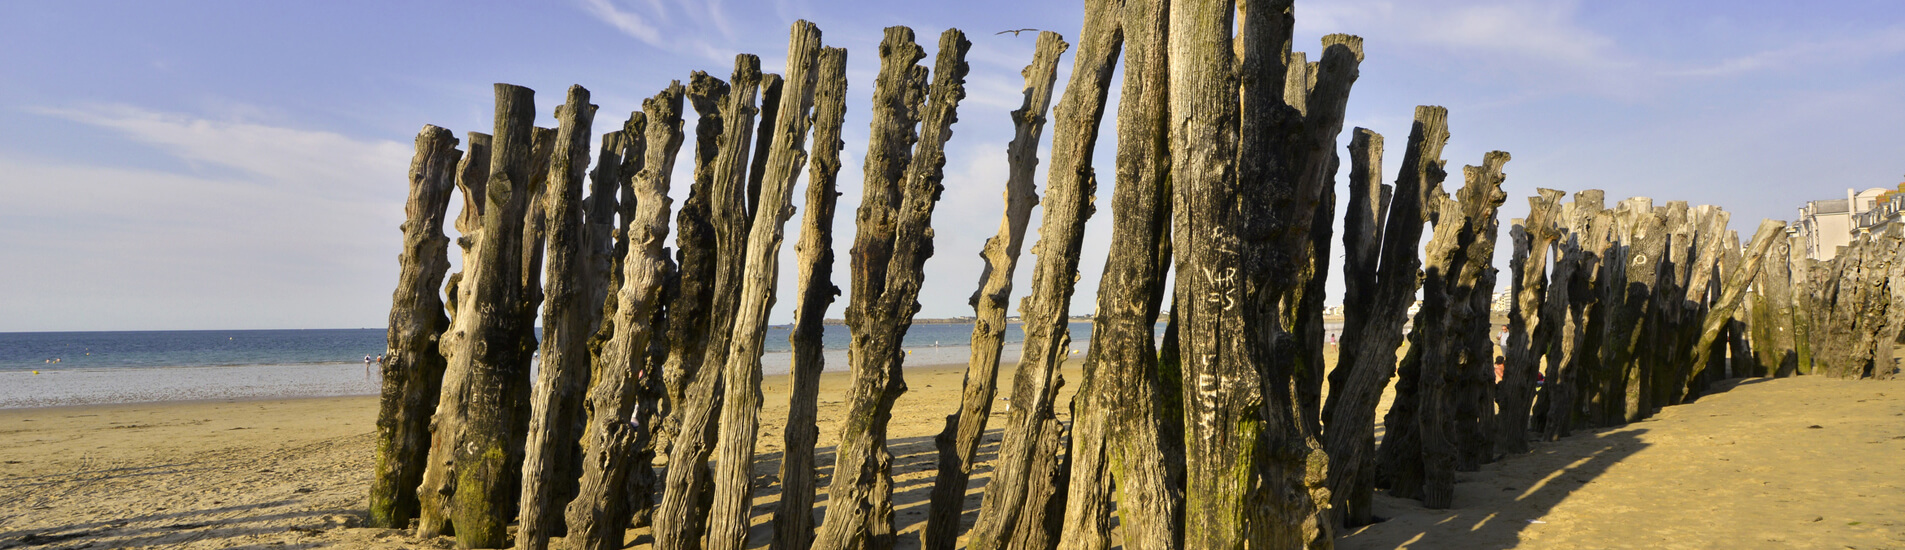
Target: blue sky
[{"x": 229, "y": 165}]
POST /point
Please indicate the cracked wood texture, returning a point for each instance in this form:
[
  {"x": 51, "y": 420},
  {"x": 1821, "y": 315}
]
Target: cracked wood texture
[
  {"x": 1287, "y": 132},
  {"x": 1350, "y": 436},
  {"x": 469, "y": 485},
  {"x": 1735, "y": 287},
  {"x": 691, "y": 292},
  {"x": 740, "y": 413},
  {"x": 413, "y": 364},
  {"x": 793, "y": 518},
  {"x": 598, "y": 516},
  {"x": 1025, "y": 498},
  {"x": 1143, "y": 447},
  {"x": 569, "y": 320},
  {"x": 680, "y": 518},
  {"x": 1463, "y": 232},
  {"x": 958, "y": 443},
  {"x": 895, "y": 239},
  {"x": 1528, "y": 331}
]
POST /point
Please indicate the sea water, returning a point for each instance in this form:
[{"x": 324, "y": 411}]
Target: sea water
[{"x": 39, "y": 369}]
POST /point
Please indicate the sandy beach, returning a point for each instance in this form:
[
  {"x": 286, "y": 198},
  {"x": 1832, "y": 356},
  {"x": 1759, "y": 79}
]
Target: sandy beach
[{"x": 1793, "y": 463}]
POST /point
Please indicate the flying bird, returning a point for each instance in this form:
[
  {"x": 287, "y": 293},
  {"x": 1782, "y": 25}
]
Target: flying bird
[{"x": 1014, "y": 32}]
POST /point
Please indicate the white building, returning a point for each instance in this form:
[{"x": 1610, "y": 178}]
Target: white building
[{"x": 1826, "y": 225}]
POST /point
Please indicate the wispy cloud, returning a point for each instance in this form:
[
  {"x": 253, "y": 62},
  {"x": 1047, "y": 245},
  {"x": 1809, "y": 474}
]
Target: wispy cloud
[
  {"x": 282, "y": 227},
  {"x": 694, "y": 26},
  {"x": 1883, "y": 42},
  {"x": 277, "y": 155}
]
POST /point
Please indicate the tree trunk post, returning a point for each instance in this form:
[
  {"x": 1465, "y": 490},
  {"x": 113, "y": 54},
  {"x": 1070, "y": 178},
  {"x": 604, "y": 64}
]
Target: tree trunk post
[
  {"x": 1350, "y": 435},
  {"x": 1018, "y": 506},
  {"x": 680, "y": 517},
  {"x": 413, "y": 365},
  {"x": 1528, "y": 332},
  {"x": 597, "y": 517},
  {"x": 469, "y": 484},
  {"x": 893, "y": 242},
  {"x": 1143, "y": 450},
  {"x": 958, "y": 443},
  {"x": 569, "y": 320},
  {"x": 691, "y": 293},
  {"x": 794, "y": 518},
  {"x": 740, "y": 414},
  {"x": 1735, "y": 287}
]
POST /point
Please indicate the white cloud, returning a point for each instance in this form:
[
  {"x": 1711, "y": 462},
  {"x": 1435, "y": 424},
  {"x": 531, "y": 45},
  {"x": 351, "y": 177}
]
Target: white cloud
[
  {"x": 702, "y": 24},
  {"x": 1880, "y": 43},
  {"x": 276, "y": 155},
  {"x": 295, "y": 228}
]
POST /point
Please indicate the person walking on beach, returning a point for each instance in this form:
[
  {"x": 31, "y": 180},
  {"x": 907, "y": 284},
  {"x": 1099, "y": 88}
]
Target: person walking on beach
[{"x": 367, "y": 360}]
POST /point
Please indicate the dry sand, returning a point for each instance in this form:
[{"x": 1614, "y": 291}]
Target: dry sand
[{"x": 1741, "y": 469}]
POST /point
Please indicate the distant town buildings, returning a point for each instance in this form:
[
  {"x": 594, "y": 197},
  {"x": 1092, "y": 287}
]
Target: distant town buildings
[{"x": 1826, "y": 225}]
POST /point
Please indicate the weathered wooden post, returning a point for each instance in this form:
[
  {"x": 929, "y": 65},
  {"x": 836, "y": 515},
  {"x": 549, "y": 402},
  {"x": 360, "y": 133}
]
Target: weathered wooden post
[
  {"x": 1735, "y": 287},
  {"x": 598, "y": 516},
  {"x": 793, "y": 519},
  {"x": 1143, "y": 448},
  {"x": 679, "y": 521},
  {"x": 1221, "y": 383},
  {"x": 893, "y": 242},
  {"x": 1802, "y": 292},
  {"x": 1777, "y": 353},
  {"x": 958, "y": 443},
  {"x": 692, "y": 292},
  {"x": 1450, "y": 276},
  {"x": 1623, "y": 388},
  {"x": 569, "y": 320},
  {"x": 1577, "y": 303},
  {"x": 470, "y": 484},
  {"x": 1874, "y": 267},
  {"x": 740, "y": 414},
  {"x": 1702, "y": 288},
  {"x": 413, "y": 365},
  {"x": 1351, "y": 432},
  {"x": 1025, "y": 498},
  {"x": 1528, "y": 332},
  {"x": 1471, "y": 356}
]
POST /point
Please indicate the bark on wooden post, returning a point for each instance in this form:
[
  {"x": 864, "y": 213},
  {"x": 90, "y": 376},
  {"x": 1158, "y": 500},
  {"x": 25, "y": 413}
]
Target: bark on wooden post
[
  {"x": 1025, "y": 498},
  {"x": 1144, "y": 448},
  {"x": 1473, "y": 354},
  {"x": 472, "y": 176},
  {"x": 468, "y": 486},
  {"x": 1801, "y": 275},
  {"x": 794, "y": 518},
  {"x": 691, "y": 295},
  {"x": 958, "y": 443},
  {"x": 1286, "y": 157},
  {"x": 679, "y": 519},
  {"x": 597, "y": 517},
  {"x": 1369, "y": 200},
  {"x": 740, "y": 414},
  {"x": 1350, "y": 435},
  {"x": 413, "y": 365},
  {"x": 1222, "y": 385},
  {"x": 1887, "y": 334},
  {"x": 1735, "y": 287},
  {"x": 569, "y": 321},
  {"x": 894, "y": 241},
  {"x": 1450, "y": 276},
  {"x": 1576, "y": 304},
  {"x": 1775, "y": 279},
  {"x": 1623, "y": 388},
  {"x": 1701, "y": 289},
  {"x": 1874, "y": 266},
  {"x": 1528, "y": 333}
]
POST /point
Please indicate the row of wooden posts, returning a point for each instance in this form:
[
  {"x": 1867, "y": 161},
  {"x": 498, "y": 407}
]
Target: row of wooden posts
[{"x": 1225, "y": 167}]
